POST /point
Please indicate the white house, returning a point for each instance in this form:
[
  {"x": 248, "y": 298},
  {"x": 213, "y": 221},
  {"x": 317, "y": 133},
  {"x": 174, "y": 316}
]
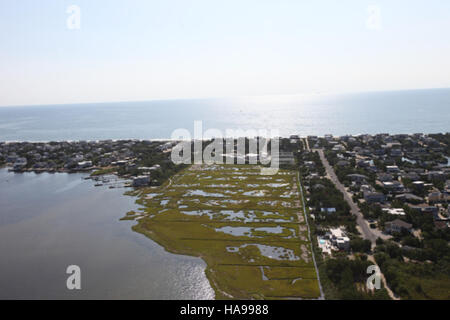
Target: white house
[
  {"x": 84, "y": 164},
  {"x": 339, "y": 239},
  {"x": 20, "y": 163},
  {"x": 395, "y": 211}
]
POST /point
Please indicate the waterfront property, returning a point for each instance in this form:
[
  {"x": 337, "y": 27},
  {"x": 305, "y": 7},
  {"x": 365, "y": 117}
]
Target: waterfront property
[{"x": 141, "y": 181}]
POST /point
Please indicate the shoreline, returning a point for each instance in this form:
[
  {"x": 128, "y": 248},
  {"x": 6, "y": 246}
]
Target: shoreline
[{"x": 93, "y": 140}]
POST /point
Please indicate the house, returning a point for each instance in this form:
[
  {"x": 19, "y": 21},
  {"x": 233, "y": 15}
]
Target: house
[
  {"x": 294, "y": 138},
  {"x": 105, "y": 161},
  {"x": 19, "y": 164},
  {"x": 359, "y": 178},
  {"x": 310, "y": 164},
  {"x": 396, "y": 153},
  {"x": 338, "y": 147},
  {"x": 436, "y": 175},
  {"x": 366, "y": 188},
  {"x": 418, "y": 184},
  {"x": 343, "y": 163},
  {"x": 78, "y": 158},
  {"x": 166, "y": 147},
  {"x": 350, "y": 154},
  {"x": 394, "y": 186},
  {"x": 392, "y": 169},
  {"x": 394, "y": 145},
  {"x": 84, "y": 164},
  {"x": 363, "y": 163},
  {"x": 374, "y": 197},
  {"x": 141, "y": 181},
  {"x": 436, "y": 196},
  {"x": 379, "y": 152},
  {"x": 395, "y": 211},
  {"x": 120, "y": 163},
  {"x": 313, "y": 175},
  {"x": 130, "y": 166},
  {"x": 385, "y": 177},
  {"x": 339, "y": 239},
  {"x": 11, "y": 158},
  {"x": 328, "y": 210},
  {"x": 425, "y": 208},
  {"x": 397, "y": 226},
  {"x": 411, "y": 176},
  {"x": 409, "y": 197}
]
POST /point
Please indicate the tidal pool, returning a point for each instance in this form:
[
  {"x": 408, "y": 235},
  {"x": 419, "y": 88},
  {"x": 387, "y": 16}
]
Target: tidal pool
[
  {"x": 255, "y": 193},
  {"x": 277, "y": 253},
  {"x": 277, "y": 185},
  {"x": 248, "y": 231},
  {"x": 245, "y": 216},
  {"x": 202, "y": 193}
]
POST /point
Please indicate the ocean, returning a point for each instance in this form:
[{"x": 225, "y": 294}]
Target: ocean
[{"x": 412, "y": 111}]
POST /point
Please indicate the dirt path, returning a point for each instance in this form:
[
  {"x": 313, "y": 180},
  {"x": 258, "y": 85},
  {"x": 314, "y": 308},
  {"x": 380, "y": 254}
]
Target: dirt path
[
  {"x": 307, "y": 144},
  {"x": 322, "y": 296},
  {"x": 383, "y": 279}
]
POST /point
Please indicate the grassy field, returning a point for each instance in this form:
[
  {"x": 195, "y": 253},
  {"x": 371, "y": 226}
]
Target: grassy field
[{"x": 249, "y": 229}]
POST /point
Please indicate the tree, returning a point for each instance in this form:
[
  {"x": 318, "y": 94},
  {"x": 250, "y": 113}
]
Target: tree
[{"x": 360, "y": 245}]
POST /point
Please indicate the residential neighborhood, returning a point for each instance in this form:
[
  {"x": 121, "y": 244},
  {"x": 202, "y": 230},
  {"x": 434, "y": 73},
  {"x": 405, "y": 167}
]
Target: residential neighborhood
[
  {"x": 389, "y": 174},
  {"x": 144, "y": 162},
  {"x": 388, "y": 194}
]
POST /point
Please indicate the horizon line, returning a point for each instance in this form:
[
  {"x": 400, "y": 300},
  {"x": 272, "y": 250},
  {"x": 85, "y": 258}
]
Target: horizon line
[{"x": 317, "y": 93}]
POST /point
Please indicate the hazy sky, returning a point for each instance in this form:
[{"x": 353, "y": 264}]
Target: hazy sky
[{"x": 142, "y": 49}]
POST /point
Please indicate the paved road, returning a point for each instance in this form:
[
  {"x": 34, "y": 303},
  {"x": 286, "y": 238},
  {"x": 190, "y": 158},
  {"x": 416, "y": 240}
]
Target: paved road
[{"x": 354, "y": 209}]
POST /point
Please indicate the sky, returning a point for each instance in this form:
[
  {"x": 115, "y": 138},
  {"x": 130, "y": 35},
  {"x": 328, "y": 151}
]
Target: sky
[{"x": 171, "y": 49}]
